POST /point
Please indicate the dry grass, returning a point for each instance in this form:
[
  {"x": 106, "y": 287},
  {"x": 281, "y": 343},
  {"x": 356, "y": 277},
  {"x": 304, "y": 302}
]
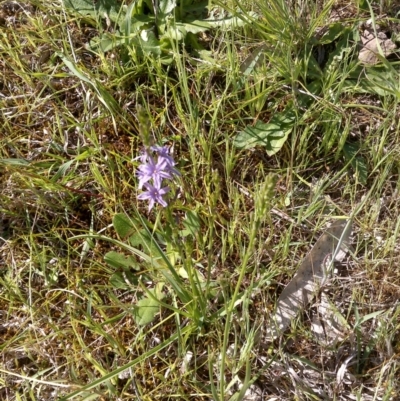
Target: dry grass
[{"x": 67, "y": 167}]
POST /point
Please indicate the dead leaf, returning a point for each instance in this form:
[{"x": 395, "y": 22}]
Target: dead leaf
[
  {"x": 253, "y": 393},
  {"x": 326, "y": 326},
  {"x": 310, "y": 275},
  {"x": 369, "y": 54},
  {"x": 342, "y": 370}
]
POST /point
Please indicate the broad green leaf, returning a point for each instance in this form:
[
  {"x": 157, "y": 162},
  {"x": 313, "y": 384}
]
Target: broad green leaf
[
  {"x": 175, "y": 32},
  {"x": 83, "y": 7},
  {"x": 184, "y": 274},
  {"x": 229, "y": 22},
  {"x": 123, "y": 280},
  {"x": 141, "y": 238},
  {"x": 145, "y": 311},
  {"x": 164, "y": 13},
  {"x": 148, "y": 42},
  {"x": 195, "y": 8},
  {"x": 117, "y": 281},
  {"x": 314, "y": 71},
  {"x": 148, "y": 307},
  {"x": 271, "y": 135},
  {"x": 135, "y": 34},
  {"x": 118, "y": 260},
  {"x": 192, "y": 222},
  {"x": 132, "y": 26},
  {"x": 96, "y": 9},
  {"x": 106, "y": 42},
  {"x": 334, "y": 31},
  {"x": 123, "y": 225},
  {"x": 384, "y": 81},
  {"x": 358, "y": 163},
  {"x": 363, "y": 5},
  {"x": 336, "y": 57},
  {"x": 166, "y": 7},
  {"x": 314, "y": 88},
  {"x": 195, "y": 26}
]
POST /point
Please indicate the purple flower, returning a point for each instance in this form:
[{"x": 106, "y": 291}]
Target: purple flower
[
  {"x": 163, "y": 154},
  {"x": 143, "y": 157},
  {"x": 154, "y": 194},
  {"x": 151, "y": 174},
  {"x": 153, "y": 171}
]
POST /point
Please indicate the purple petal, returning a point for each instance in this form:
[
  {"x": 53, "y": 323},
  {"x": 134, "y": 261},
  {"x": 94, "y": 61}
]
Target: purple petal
[
  {"x": 163, "y": 154},
  {"x": 144, "y": 196},
  {"x": 154, "y": 194},
  {"x": 151, "y": 204},
  {"x": 163, "y": 191}
]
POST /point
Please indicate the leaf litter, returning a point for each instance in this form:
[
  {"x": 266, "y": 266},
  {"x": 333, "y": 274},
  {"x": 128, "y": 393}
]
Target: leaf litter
[
  {"x": 311, "y": 275},
  {"x": 374, "y": 44}
]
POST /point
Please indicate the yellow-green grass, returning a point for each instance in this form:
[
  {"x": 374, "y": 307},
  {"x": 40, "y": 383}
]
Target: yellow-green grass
[{"x": 68, "y": 142}]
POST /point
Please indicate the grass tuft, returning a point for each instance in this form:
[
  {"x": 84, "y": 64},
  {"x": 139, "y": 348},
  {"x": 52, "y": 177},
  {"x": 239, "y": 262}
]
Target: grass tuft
[{"x": 101, "y": 299}]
